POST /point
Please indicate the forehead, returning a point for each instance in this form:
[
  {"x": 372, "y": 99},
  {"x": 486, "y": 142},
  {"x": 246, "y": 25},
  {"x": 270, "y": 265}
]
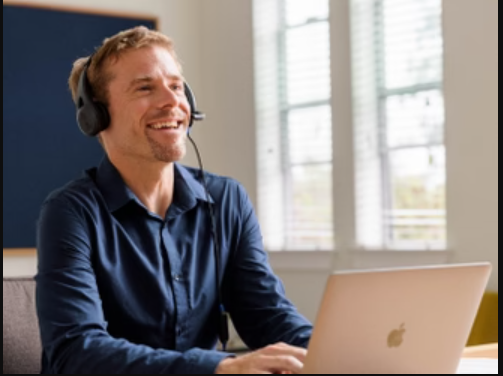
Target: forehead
[{"x": 151, "y": 61}]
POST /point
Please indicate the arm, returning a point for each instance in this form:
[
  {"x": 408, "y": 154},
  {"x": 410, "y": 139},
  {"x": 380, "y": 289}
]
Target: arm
[
  {"x": 73, "y": 328},
  {"x": 260, "y": 311}
]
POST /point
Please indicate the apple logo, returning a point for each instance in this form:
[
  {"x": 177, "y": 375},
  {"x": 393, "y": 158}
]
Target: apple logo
[{"x": 395, "y": 338}]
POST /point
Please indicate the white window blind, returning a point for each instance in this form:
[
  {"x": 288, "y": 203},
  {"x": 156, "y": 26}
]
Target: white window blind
[
  {"x": 294, "y": 126},
  {"x": 397, "y": 52}
]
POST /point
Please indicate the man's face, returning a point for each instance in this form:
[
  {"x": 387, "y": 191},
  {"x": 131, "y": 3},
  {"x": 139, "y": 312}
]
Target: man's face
[{"x": 148, "y": 107}]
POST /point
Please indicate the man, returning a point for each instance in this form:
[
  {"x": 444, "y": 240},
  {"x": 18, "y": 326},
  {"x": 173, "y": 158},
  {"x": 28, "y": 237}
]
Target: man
[{"x": 127, "y": 281}]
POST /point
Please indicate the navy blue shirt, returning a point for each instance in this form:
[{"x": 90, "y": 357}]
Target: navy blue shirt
[{"x": 122, "y": 290}]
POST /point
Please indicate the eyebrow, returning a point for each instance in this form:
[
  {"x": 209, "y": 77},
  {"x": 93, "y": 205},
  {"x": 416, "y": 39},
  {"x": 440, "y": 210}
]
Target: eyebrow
[{"x": 149, "y": 79}]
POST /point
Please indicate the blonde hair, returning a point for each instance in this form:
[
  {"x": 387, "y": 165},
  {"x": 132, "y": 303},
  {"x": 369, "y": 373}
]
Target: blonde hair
[{"x": 112, "y": 48}]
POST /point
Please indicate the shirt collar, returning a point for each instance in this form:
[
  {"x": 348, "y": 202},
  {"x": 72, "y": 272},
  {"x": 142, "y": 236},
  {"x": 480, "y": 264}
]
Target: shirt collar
[
  {"x": 186, "y": 182},
  {"x": 117, "y": 194}
]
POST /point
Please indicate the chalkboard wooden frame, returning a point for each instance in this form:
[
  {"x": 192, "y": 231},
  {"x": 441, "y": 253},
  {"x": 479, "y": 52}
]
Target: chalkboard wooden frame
[{"x": 84, "y": 10}]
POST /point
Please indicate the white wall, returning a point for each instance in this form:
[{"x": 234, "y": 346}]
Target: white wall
[
  {"x": 227, "y": 137},
  {"x": 471, "y": 92},
  {"x": 214, "y": 38}
]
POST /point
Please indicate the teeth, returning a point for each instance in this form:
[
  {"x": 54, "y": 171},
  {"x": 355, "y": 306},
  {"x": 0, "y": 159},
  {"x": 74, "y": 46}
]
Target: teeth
[{"x": 172, "y": 125}]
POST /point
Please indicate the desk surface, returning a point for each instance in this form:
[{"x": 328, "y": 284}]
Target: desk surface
[{"x": 485, "y": 351}]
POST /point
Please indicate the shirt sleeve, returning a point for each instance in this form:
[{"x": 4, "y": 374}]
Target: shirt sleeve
[
  {"x": 257, "y": 303},
  {"x": 72, "y": 324}
]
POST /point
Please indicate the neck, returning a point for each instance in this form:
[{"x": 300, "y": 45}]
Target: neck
[{"x": 152, "y": 183}]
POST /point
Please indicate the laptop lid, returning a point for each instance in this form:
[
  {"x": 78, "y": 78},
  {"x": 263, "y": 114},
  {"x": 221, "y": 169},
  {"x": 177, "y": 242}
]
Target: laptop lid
[{"x": 413, "y": 320}]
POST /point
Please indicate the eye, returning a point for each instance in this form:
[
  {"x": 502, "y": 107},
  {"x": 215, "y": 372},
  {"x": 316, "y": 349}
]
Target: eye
[
  {"x": 144, "y": 88},
  {"x": 177, "y": 87}
]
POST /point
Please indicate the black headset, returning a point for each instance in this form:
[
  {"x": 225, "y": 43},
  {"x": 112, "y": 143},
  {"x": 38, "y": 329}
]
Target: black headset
[{"x": 93, "y": 116}]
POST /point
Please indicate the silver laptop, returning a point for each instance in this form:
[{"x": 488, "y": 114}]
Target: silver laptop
[{"x": 415, "y": 320}]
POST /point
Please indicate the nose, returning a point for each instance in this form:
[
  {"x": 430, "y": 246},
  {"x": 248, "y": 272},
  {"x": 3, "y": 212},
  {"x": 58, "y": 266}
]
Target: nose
[{"x": 168, "y": 98}]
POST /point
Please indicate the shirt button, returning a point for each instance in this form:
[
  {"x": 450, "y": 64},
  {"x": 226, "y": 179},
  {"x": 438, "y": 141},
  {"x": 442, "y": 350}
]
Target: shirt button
[{"x": 177, "y": 278}]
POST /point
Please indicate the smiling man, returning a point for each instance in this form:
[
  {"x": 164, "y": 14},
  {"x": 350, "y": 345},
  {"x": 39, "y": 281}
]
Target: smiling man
[{"x": 128, "y": 279}]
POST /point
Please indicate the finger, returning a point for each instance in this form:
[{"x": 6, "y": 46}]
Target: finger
[
  {"x": 285, "y": 350},
  {"x": 275, "y": 364}
]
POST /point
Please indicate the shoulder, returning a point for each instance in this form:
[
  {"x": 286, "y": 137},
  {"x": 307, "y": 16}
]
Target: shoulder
[{"x": 78, "y": 193}]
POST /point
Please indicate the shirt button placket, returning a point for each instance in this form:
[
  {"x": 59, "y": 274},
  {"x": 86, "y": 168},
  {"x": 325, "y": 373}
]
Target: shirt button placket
[{"x": 178, "y": 286}]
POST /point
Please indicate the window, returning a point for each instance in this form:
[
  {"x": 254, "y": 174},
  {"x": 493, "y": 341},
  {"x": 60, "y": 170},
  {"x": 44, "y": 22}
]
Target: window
[
  {"x": 294, "y": 121},
  {"x": 399, "y": 123}
]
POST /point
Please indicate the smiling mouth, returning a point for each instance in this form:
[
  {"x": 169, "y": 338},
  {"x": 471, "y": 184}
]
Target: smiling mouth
[{"x": 172, "y": 125}]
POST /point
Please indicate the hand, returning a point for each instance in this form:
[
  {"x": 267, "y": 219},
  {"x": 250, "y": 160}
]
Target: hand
[{"x": 275, "y": 359}]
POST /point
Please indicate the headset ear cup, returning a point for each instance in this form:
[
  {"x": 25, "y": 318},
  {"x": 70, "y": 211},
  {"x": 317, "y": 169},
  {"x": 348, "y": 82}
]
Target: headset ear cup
[
  {"x": 82, "y": 120},
  {"x": 103, "y": 120},
  {"x": 93, "y": 118}
]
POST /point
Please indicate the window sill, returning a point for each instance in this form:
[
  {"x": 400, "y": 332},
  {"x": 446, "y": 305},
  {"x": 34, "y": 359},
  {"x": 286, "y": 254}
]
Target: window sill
[
  {"x": 327, "y": 261},
  {"x": 302, "y": 260}
]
